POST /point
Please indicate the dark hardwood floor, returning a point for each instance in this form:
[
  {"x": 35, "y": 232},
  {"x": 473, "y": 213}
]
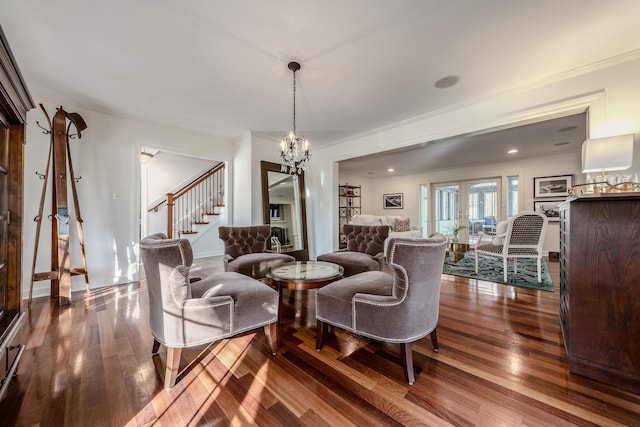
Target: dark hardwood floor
[{"x": 501, "y": 363}]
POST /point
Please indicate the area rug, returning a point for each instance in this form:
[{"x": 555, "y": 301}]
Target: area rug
[{"x": 490, "y": 269}]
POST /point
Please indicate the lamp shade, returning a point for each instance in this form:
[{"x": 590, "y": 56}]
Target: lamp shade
[{"x": 607, "y": 154}]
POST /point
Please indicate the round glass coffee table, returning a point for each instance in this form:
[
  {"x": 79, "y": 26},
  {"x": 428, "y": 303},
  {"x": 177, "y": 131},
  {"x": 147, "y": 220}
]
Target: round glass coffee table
[{"x": 302, "y": 276}]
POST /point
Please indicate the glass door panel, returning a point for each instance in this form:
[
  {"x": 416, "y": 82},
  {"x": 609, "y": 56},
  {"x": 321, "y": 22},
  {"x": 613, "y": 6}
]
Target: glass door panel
[
  {"x": 472, "y": 204},
  {"x": 482, "y": 206},
  {"x": 446, "y": 207}
]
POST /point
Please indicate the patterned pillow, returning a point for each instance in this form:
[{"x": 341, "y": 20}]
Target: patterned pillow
[{"x": 402, "y": 225}]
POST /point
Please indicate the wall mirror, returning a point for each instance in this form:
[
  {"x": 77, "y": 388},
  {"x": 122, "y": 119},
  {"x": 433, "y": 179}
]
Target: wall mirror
[{"x": 283, "y": 204}]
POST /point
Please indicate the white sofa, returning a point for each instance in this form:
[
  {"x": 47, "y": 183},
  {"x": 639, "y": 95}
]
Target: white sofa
[{"x": 415, "y": 232}]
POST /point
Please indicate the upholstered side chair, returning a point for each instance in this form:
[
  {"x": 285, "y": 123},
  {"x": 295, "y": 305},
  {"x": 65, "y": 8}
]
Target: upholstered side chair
[
  {"x": 523, "y": 239},
  {"x": 398, "y": 307},
  {"x": 185, "y": 313},
  {"x": 245, "y": 250},
  {"x": 364, "y": 251}
]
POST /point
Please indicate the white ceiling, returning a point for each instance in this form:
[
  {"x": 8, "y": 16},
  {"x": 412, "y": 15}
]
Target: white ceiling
[
  {"x": 220, "y": 67},
  {"x": 549, "y": 137}
]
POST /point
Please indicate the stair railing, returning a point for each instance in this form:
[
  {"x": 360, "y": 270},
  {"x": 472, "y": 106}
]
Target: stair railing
[{"x": 190, "y": 204}]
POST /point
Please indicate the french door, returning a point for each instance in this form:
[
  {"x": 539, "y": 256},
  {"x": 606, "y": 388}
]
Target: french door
[{"x": 471, "y": 204}]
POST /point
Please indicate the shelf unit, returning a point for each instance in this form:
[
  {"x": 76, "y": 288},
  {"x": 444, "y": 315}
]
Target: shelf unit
[{"x": 349, "y": 204}]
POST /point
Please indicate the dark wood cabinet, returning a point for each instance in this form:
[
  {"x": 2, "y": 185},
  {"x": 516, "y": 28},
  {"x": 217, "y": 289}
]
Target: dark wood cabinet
[
  {"x": 600, "y": 287},
  {"x": 14, "y": 103}
]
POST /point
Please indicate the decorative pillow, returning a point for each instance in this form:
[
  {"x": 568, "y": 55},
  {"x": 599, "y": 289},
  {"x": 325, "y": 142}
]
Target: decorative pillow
[
  {"x": 390, "y": 220},
  {"x": 501, "y": 228},
  {"x": 402, "y": 225}
]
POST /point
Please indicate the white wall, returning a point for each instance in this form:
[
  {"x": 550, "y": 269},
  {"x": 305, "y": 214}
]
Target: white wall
[
  {"x": 247, "y": 189},
  {"x": 107, "y": 159},
  {"x": 261, "y": 149},
  {"x": 242, "y": 182},
  {"x": 166, "y": 171},
  {"x": 611, "y": 94}
]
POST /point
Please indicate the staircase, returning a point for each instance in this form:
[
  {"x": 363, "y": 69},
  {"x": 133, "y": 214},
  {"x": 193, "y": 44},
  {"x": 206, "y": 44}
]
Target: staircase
[{"x": 194, "y": 203}]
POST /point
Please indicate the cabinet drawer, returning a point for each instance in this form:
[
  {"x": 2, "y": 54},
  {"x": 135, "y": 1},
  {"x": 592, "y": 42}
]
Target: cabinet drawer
[{"x": 11, "y": 349}]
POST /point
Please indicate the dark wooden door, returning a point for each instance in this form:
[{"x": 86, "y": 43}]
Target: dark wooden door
[{"x": 4, "y": 218}]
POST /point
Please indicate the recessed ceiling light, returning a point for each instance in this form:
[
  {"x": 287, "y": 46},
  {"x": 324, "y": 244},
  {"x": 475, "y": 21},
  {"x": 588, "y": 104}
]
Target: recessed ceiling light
[
  {"x": 567, "y": 129},
  {"x": 512, "y": 151},
  {"x": 446, "y": 82},
  {"x": 558, "y": 144},
  {"x": 390, "y": 170}
]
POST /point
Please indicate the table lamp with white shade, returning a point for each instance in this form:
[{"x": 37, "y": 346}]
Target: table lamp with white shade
[
  {"x": 607, "y": 154},
  {"x": 614, "y": 153}
]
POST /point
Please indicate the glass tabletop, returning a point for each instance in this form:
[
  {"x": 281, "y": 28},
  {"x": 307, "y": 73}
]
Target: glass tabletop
[{"x": 306, "y": 270}]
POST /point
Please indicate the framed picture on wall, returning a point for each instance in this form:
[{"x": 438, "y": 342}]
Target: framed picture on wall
[
  {"x": 549, "y": 208},
  {"x": 392, "y": 201},
  {"x": 552, "y": 186}
]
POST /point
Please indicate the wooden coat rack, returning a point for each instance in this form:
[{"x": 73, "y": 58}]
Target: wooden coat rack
[{"x": 58, "y": 159}]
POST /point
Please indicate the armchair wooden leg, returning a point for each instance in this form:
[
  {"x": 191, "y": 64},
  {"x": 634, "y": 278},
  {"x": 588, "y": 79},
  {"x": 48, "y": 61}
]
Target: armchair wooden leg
[
  {"x": 271, "y": 332},
  {"x": 156, "y": 347},
  {"x": 434, "y": 340},
  {"x": 504, "y": 266},
  {"x": 539, "y": 270},
  {"x": 173, "y": 363},
  {"x": 407, "y": 362},
  {"x": 476, "y": 254},
  {"x": 321, "y": 330}
]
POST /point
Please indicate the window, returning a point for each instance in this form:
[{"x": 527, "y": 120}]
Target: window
[
  {"x": 512, "y": 196},
  {"x": 424, "y": 208}
]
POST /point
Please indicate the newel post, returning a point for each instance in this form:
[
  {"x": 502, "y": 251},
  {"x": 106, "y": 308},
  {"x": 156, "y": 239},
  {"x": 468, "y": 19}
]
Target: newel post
[{"x": 170, "y": 204}]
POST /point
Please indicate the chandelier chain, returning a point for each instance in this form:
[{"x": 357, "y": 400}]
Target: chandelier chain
[{"x": 294, "y": 102}]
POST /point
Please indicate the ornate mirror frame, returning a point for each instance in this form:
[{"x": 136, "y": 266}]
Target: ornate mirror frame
[{"x": 266, "y": 167}]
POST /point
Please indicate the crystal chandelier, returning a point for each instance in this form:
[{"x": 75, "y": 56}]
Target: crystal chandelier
[{"x": 294, "y": 150}]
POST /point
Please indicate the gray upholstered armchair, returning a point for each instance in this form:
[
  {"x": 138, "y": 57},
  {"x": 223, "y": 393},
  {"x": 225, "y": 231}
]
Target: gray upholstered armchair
[
  {"x": 364, "y": 251},
  {"x": 185, "y": 313},
  {"x": 400, "y": 308},
  {"x": 245, "y": 250}
]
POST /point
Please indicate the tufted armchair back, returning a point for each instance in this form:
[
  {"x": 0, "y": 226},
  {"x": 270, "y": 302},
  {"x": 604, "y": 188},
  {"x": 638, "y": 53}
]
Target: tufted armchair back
[
  {"x": 245, "y": 250},
  {"x": 180, "y": 255},
  {"x": 368, "y": 239},
  {"x": 244, "y": 240}
]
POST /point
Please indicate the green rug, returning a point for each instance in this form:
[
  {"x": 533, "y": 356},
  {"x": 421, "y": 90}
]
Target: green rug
[{"x": 490, "y": 270}]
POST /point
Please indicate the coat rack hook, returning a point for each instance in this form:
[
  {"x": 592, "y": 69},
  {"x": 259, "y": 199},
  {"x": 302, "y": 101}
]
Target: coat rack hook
[{"x": 44, "y": 129}]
